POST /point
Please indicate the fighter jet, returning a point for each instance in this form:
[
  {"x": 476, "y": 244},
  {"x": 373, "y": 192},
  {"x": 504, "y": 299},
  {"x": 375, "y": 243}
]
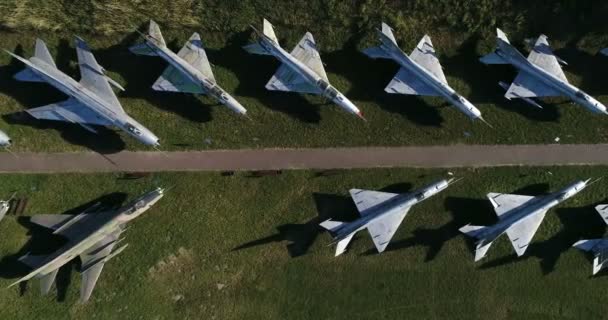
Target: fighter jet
[
  {"x": 91, "y": 236},
  {"x": 91, "y": 102},
  {"x": 5, "y": 141},
  {"x": 189, "y": 70},
  {"x": 301, "y": 70},
  {"x": 519, "y": 216},
  {"x": 539, "y": 76},
  {"x": 381, "y": 214},
  {"x": 420, "y": 73},
  {"x": 599, "y": 247}
]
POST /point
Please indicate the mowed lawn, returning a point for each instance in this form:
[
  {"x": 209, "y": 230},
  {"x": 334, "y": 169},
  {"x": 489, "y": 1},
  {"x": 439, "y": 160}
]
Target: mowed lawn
[
  {"x": 462, "y": 31},
  {"x": 240, "y": 247}
]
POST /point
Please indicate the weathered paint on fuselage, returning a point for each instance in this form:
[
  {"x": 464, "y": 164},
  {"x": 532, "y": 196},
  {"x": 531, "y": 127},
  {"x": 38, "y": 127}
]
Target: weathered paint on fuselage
[
  {"x": 195, "y": 76},
  {"x": 516, "y": 59},
  {"x": 90, "y": 229},
  {"x": 428, "y": 78}
]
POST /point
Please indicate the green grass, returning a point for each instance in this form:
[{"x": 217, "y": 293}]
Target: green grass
[
  {"x": 185, "y": 246},
  {"x": 461, "y": 31}
]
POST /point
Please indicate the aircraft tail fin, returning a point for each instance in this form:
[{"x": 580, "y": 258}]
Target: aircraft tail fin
[
  {"x": 32, "y": 261},
  {"x": 42, "y": 52},
  {"x": 482, "y": 246},
  {"x": 46, "y": 282},
  {"x": 154, "y": 32},
  {"x": 343, "y": 244},
  {"x": 269, "y": 31},
  {"x": 380, "y": 51},
  {"x": 502, "y": 44}
]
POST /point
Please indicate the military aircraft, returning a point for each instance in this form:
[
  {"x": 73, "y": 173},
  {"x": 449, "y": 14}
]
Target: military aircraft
[
  {"x": 5, "y": 141},
  {"x": 381, "y": 214},
  {"x": 420, "y": 73},
  {"x": 519, "y": 216},
  {"x": 599, "y": 247},
  {"x": 189, "y": 70},
  {"x": 91, "y": 102},
  {"x": 539, "y": 76},
  {"x": 301, "y": 70},
  {"x": 91, "y": 236}
]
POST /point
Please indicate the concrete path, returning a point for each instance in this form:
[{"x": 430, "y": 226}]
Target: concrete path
[{"x": 271, "y": 159}]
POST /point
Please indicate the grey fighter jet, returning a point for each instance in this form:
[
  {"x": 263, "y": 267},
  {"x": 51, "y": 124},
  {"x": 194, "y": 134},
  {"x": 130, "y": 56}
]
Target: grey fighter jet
[
  {"x": 189, "y": 70},
  {"x": 381, "y": 214},
  {"x": 91, "y": 236},
  {"x": 599, "y": 247},
  {"x": 519, "y": 216},
  {"x": 301, "y": 70},
  {"x": 420, "y": 74},
  {"x": 540, "y": 75},
  {"x": 91, "y": 102},
  {"x": 5, "y": 141}
]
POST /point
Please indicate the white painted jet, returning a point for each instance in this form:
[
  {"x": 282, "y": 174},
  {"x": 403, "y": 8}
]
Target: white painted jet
[
  {"x": 301, "y": 70},
  {"x": 91, "y": 102},
  {"x": 420, "y": 73},
  {"x": 599, "y": 247},
  {"x": 189, "y": 70},
  {"x": 540, "y": 75},
  {"x": 381, "y": 214},
  {"x": 519, "y": 217}
]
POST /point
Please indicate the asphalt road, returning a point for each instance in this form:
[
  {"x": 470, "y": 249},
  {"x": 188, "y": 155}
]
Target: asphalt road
[{"x": 274, "y": 159}]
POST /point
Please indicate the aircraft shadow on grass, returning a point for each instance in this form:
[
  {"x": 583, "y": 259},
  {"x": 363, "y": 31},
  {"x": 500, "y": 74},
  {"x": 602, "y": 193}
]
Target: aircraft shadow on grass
[
  {"x": 302, "y": 236},
  {"x": 43, "y": 242},
  {"x": 32, "y": 95},
  {"x": 254, "y": 72}
]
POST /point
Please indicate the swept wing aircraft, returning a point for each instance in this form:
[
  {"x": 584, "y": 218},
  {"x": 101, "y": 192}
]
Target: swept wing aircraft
[
  {"x": 188, "y": 71},
  {"x": 540, "y": 75},
  {"x": 91, "y": 236},
  {"x": 519, "y": 217},
  {"x": 381, "y": 214},
  {"x": 91, "y": 102},
  {"x": 301, "y": 70},
  {"x": 420, "y": 73},
  {"x": 599, "y": 247}
]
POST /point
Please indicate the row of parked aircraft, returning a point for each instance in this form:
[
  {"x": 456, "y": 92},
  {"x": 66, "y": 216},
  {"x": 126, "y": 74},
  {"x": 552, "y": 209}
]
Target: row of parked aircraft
[
  {"x": 93, "y": 234},
  {"x": 92, "y": 102}
]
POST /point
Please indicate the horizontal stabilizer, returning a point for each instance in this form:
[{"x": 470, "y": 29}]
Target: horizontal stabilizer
[
  {"x": 598, "y": 264},
  {"x": 376, "y": 53},
  {"x": 142, "y": 49},
  {"x": 602, "y": 209},
  {"x": 481, "y": 250},
  {"x": 604, "y": 51},
  {"x": 27, "y": 75},
  {"x": 32, "y": 261},
  {"x": 343, "y": 244},
  {"x": 586, "y": 245},
  {"x": 256, "y": 48},
  {"x": 472, "y": 230},
  {"x": 42, "y": 53},
  {"x": 502, "y": 36},
  {"x": 493, "y": 58},
  {"x": 331, "y": 225}
]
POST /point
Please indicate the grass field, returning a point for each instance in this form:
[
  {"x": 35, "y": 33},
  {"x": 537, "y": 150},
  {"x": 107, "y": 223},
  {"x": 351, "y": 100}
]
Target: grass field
[
  {"x": 248, "y": 248},
  {"x": 461, "y": 31}
]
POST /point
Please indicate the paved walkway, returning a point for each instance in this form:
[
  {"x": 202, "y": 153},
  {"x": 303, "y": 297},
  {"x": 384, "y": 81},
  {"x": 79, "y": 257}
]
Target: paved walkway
[{"x": 270, "y": 159}]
